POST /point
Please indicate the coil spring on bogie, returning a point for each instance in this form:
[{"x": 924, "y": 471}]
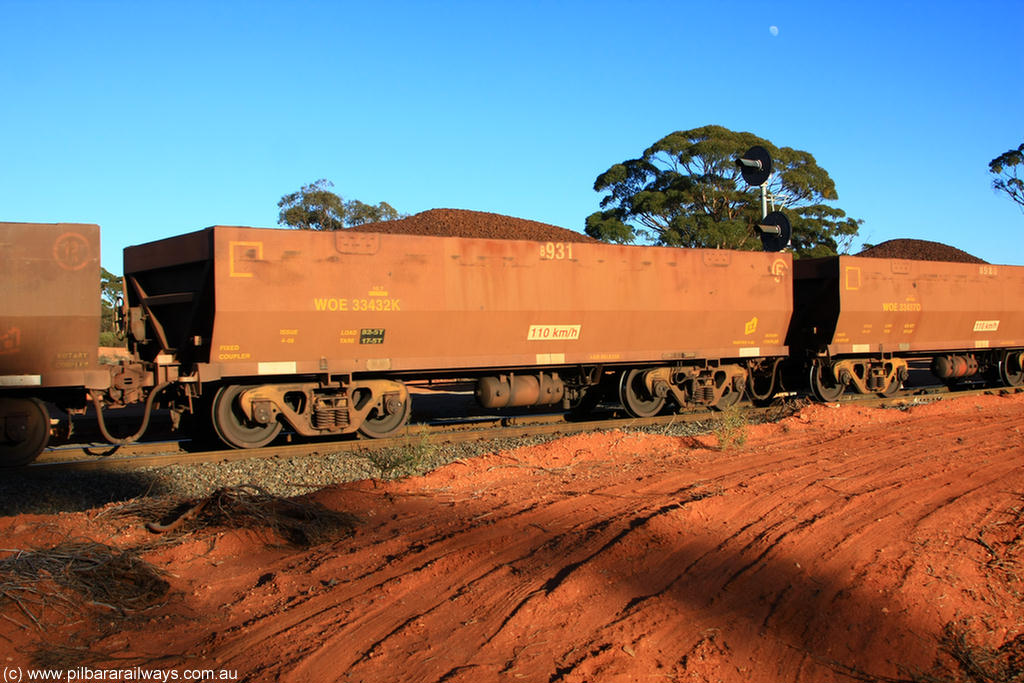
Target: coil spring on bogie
[
  {"x": 877, "y": 379},
  {"x": 330, "y": 418},
  {"x": 704, "y": 393}
]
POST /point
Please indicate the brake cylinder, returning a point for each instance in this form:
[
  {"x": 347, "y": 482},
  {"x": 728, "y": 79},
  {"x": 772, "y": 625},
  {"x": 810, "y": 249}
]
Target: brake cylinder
[
  {"x": 507, "y": 391},
  {"x": 954, "y": 367}
]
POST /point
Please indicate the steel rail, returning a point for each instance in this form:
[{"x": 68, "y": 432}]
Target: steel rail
[{"x": 489, "y": 429}]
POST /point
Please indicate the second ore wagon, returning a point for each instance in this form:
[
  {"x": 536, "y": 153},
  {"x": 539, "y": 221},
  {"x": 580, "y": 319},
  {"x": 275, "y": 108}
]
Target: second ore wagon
[{"x": 321, "y": 331}]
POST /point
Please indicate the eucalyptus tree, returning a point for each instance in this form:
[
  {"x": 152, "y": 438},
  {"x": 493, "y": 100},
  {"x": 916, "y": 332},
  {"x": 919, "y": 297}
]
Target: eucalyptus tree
[
  {"x": 1007, "y": 169},
  {"x": 686, "y": 190},
  {"x": 316, "y": 207}
]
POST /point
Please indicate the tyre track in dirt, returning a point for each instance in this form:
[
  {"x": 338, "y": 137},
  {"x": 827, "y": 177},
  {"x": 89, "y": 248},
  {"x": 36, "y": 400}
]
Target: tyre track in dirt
[
  {"x": 755, "y": 579},
  {"x": 753, "y": 561},
  {"x": 478, "y": 573},
  {"x": 838, "y": 541}
]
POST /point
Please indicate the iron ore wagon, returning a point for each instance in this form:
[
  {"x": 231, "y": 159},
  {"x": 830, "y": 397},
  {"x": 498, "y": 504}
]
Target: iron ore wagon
[
  {"x": 859, "y": 321},
  {"x": 49, "y": 329},
  {"x": 321, "y": 331}
]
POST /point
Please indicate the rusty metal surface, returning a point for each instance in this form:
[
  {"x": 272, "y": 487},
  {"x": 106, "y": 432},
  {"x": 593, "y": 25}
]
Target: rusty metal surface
[
  {"x": 291, "y": 302},
  {"x": 186, "y": 248},
  {"x": 50, "y": 307},
  {"x": 505, "y": 391},
  {"x": 869, "y": 305},
  {"x": 169, "y": 296}
]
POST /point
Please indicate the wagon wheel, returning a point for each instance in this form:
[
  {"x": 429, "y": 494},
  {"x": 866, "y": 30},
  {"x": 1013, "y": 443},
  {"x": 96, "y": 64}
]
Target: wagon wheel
[
  {"x": 24, "y": 430},
  {"x": 233, "y": 427},
  {"x": 635, "y": 397},
  {"x": 893, "y": 386},
  {"x": 730, "y": 398},
  {"x": 823, "y": 385},
  {"x": 761, "y": 385},
  {"x": 377, "y": 426},
  {"x": 1010, "y": 371}
]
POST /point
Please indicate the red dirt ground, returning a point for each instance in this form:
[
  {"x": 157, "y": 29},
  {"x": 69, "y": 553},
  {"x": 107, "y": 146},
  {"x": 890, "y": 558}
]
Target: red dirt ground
[{"x": 835, "y": 545}]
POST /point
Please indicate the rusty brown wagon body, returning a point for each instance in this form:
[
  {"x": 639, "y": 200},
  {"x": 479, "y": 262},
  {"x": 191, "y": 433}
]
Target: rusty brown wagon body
[
  {"x": 320, "y": 330},
  {"x": 862, "y": 319},
  {"x": 49, "y": 327},
  {"x": 254, "y": 329},
  {"x": 50, "y": 308}
]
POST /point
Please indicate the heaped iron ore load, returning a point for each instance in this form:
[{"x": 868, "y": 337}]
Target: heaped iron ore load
[
  {"x": 474, "y": 224},
  {"x": 321, "y": 330},
  {"x": 919, "y": 250}
]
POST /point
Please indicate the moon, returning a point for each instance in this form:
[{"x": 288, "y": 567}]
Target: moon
[{"x": 774, "y": 30}]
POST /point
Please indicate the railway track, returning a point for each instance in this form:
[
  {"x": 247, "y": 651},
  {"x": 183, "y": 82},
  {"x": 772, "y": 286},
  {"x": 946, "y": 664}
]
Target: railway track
[{"x": 161, "y": 453}]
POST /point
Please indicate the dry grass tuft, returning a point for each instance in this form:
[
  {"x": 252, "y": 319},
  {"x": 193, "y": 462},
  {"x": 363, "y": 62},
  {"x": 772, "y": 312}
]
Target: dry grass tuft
[
  {"x": 730, "y": 429},
  {"x": 401, "y": 461},
  {"x": 960, "y": 660},
  {"x": 963, "y": 661},
  {"x": 1003, "y": 542}
]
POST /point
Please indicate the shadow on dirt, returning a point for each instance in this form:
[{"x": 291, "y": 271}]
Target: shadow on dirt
[
  {"x": 641, "y": 586},
  {"x": 27, "y": 492}
]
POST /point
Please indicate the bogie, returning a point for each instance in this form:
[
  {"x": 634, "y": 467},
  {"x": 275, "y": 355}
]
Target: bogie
[{"x": 252, "y": 416}]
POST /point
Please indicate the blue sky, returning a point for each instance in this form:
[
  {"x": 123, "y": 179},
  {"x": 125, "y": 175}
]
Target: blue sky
[{"x": 154, "y": 118}]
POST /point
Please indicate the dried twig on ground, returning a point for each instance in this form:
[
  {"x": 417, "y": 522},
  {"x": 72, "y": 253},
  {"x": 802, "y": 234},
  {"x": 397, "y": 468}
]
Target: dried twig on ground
[
  {"x": 75, "y": 571},
  {"x": 970, "y": 662},
  {"x": 784, "y": 407},
  {"x": 298, "y": 522},
  {"x": 1003, "y": 542}
]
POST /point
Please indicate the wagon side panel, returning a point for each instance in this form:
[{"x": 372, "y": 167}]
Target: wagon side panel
[
  {"x": 892, "y": 305},
  {"x": 300, "y": 302},
  {"x": 50, "y": 308}
]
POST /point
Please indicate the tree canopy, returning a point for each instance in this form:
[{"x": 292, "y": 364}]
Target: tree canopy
[
  {"x": 686, "y": 190},
  {"x": 1007, "y": 168},
  {"x": 316, "y": 207},
  {"x": 110, "y": 292}
]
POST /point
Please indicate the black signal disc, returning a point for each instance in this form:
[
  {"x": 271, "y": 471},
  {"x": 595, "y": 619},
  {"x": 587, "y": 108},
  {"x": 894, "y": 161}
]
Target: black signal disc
[
  {"x": 753, "y": 174},
  {"x": 770, "y": 240}
]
